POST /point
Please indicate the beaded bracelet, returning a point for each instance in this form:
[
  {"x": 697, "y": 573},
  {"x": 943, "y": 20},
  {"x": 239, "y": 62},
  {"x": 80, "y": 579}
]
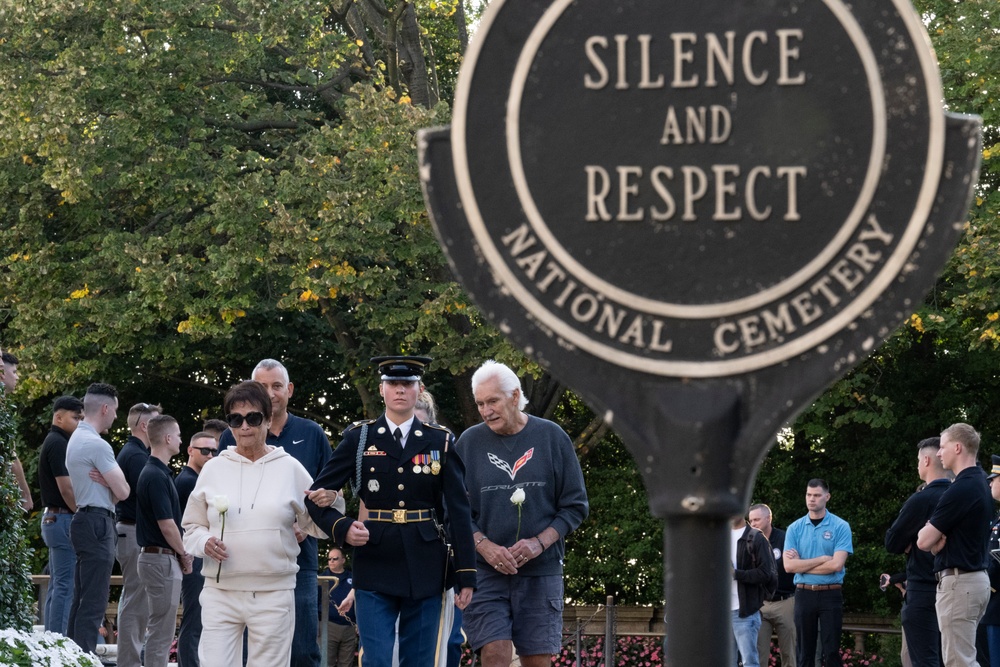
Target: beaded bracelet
[{"x": 540, "y": 543}]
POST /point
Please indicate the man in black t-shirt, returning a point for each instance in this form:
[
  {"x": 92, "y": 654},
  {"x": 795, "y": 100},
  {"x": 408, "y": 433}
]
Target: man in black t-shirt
[
  {"x": 958, "y": 534},
  {"x": 162, "y": 558},
  {"x": 59, "y": 505}
]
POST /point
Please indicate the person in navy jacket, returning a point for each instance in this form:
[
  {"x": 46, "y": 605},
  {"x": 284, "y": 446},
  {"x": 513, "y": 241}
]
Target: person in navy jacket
[{"x": 407, "y": 473}]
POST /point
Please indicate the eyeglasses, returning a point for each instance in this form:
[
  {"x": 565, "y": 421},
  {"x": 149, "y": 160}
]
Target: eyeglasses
[
  {"x": 332, "y": 558},
  {"x": 207, "y": 451},
  {"x": 235, "y": 420}
]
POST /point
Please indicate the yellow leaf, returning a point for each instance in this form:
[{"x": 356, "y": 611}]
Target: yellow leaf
[{"x": 80, "y": 293}]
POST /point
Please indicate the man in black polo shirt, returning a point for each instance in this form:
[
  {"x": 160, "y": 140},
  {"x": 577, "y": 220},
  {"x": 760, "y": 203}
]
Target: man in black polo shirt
[
  {"x": 958, "y": 533},
  {"x": 778, "y": 613},
  {"x": 60, "y": 504},
  {"x": 920, "y": 624},
  {"x": 202, "y": 449},
  {"x": 162, "y": 558},
  {"x": 133, "y": 609}
]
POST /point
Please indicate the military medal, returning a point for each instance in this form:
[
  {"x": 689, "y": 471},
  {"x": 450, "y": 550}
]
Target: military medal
[
  {"x": 435, "y": 462},
  {"x": 420, "y": 464}
]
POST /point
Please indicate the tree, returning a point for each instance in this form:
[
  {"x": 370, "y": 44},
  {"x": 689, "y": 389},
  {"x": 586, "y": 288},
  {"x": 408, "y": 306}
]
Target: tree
[{"x": 15, "y": 575}]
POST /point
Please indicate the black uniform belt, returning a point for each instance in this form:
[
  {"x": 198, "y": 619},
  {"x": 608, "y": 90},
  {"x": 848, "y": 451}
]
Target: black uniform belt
[
  {"x": 399, "y": 516},
  {"x": 57, "y": 510},
  {"x": 97, "y": 510},
  {"x": 952, "y": 571},
  {"x": 158, "y": 550},
  {"x": 819, "y": 587}
]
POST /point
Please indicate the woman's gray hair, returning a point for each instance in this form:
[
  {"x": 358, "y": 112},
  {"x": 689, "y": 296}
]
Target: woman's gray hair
[{"x": 504, "y": 376}]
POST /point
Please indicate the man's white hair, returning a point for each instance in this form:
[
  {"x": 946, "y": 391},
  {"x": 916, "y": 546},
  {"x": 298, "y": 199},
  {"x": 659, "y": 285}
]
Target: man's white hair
[
  {"x": 504, "y": 376},
  {"x": 270, "y": 365}
]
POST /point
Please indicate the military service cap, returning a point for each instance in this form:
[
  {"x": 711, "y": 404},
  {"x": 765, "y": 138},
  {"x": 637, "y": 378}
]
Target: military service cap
[{"x": 407, "y": 369}]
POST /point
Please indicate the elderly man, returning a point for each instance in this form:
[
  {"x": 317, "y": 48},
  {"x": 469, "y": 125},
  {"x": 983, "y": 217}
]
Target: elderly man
[
  {"x": 408, "y": 475},
  {"x": 958, "y": 535},
  {"x": 307, "y": 443},
  {"x": 60, "y": 504},
  {"x": 527, "y": 494}
]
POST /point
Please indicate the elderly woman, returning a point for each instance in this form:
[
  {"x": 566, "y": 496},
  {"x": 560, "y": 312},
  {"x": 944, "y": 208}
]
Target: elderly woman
[{"x": 243, "y": 517}]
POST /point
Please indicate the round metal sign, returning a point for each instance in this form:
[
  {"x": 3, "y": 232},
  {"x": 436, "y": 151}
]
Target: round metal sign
[{"x": 697, "y": 189}]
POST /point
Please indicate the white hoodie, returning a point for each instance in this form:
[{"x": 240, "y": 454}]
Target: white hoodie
[{"x": 265, "y": 497}]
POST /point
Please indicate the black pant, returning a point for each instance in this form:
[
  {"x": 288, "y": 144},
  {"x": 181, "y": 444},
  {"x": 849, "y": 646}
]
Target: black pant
[
  {"x": 827, "y": 609},
  {"x": 923, "y": 638},
  {"x": 93, "y": 538}
]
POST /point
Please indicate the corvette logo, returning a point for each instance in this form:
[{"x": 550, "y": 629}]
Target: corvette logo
[{"x": 503, "y": 465}]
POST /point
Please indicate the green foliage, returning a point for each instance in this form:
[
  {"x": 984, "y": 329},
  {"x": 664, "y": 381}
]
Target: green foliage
[
  {"x": 16, "y": 591},
  {"x": 618, "y": 549}
]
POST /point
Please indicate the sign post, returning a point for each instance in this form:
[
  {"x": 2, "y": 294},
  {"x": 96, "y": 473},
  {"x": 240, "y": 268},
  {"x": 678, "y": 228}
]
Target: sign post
[{"x": 699, "y": 215}]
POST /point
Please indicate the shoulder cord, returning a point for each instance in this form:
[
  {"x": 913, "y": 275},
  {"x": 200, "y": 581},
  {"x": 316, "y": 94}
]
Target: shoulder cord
[{"x": 356, "y": 482}]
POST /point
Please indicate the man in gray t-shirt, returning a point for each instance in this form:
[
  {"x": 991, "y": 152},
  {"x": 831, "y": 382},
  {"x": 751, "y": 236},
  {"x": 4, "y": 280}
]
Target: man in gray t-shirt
[
  {"x": 527, "y": 493},
  {"x": 92, "y": 531}
]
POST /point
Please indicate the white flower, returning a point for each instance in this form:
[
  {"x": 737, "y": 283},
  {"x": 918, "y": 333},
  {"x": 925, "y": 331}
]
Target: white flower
[
  {"x": 43, "y": 648},
  {"x": 221, "y": 504},
  {"x": 518, "y": 497}
]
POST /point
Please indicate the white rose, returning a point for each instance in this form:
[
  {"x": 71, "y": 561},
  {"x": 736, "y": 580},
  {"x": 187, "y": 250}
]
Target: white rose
[
  {"x": 518, "y": 497},
  {"x": 221, "y": 504}
]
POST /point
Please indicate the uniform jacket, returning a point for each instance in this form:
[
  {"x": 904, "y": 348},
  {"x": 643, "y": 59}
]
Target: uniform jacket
[{"x": 403, "y": 559}]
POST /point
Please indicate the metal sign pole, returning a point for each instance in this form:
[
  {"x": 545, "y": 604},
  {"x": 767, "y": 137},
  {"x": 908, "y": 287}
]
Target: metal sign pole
[{"x": 698, "y": 216}]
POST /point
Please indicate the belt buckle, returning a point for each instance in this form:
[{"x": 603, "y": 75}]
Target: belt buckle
[{"x": 399, "y": 516}]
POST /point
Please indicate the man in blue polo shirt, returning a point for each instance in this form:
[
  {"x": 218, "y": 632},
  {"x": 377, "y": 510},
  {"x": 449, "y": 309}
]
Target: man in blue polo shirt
[
  {"x": 308, "y": 444},
  {"x": 816, "y": 550},
  {"x": 958, "y": 535}
]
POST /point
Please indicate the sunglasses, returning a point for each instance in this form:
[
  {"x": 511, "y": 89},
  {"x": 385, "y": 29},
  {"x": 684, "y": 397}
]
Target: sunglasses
[
  {"x": 207, "y": 451},
  {"x": 252, "y": 418},
  {"x": 144, "y": 408}
]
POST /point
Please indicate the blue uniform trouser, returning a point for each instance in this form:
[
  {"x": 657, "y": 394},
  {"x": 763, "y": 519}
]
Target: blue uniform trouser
[
  {"x": 419, "y": 625},
  {"x": 305, "y": 649},
  {"x": 62, "y": 563},
  {"x": 920, "y": 625},
  {"x": 93, "y": 536},
  {"x": 456, "y": 639},
  {"x": 190, "y": 632}
]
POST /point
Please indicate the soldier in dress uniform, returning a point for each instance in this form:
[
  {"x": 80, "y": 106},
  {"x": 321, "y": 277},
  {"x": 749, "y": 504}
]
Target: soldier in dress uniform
[{"x": 407, "y": 473}]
